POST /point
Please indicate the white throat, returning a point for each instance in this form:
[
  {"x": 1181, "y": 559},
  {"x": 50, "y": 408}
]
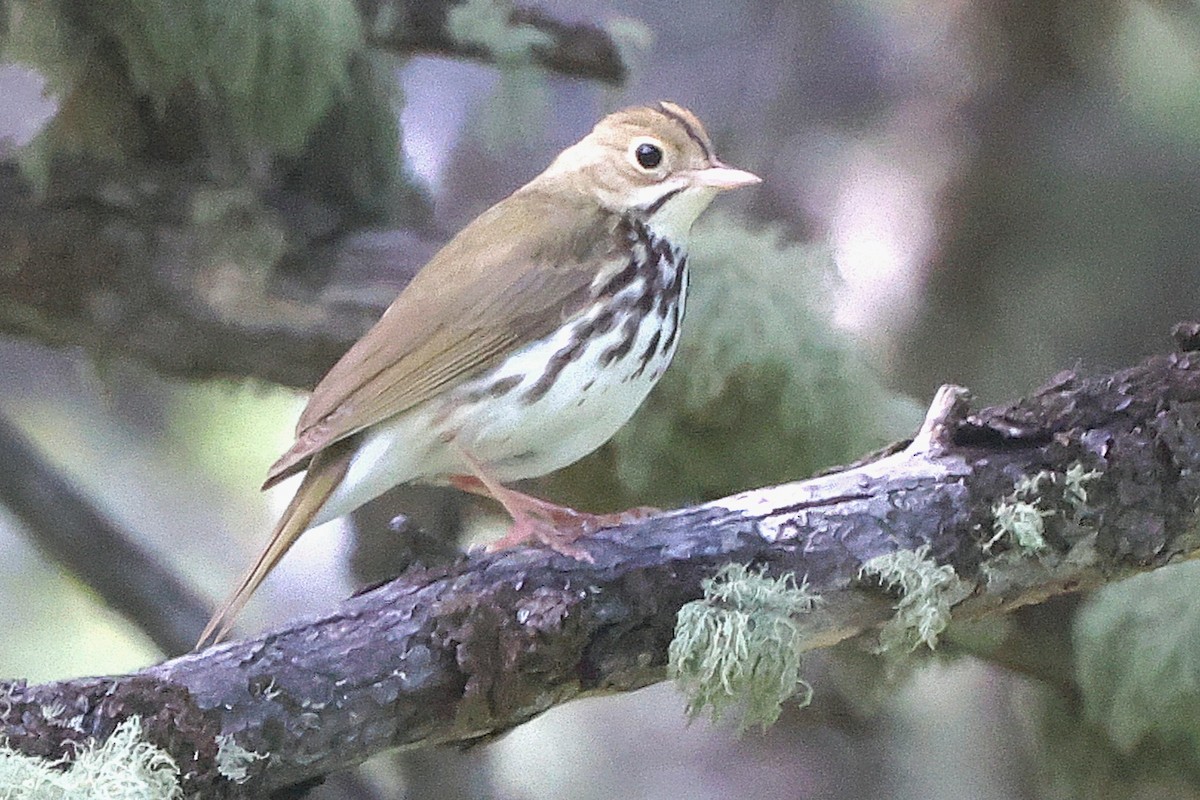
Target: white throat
[{"x": 673, "y": 219}]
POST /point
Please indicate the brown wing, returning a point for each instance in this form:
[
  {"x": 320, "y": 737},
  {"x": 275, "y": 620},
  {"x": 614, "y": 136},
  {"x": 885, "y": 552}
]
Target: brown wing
[{"x": 510, "y": 277}]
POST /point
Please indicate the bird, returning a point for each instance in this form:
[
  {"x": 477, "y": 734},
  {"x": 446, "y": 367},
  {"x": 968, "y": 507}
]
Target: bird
[{"x": 524, "y": 344}]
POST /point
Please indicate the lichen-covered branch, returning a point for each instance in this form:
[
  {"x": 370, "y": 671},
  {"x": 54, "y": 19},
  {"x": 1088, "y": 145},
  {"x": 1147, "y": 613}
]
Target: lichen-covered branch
[
  {"x": 1109, "y": 465},
  {"x": 208, "y": 238}
]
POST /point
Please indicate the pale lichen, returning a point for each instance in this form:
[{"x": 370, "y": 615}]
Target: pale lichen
[
  {"x": 927, "y": 591},
  {"x": 124, "y": 767},
  {"x": 1021, "y": 516},
  {"x": 1022, "y": 522},
  {"x": 1075, "y": 481},
  {"x": 233, "y": 760},
  {"x": 740, "y": 645}
]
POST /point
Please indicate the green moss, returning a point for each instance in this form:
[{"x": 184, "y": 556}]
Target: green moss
[
  {"x": 740, "y": 645},
  {"x": 352, "y": 160},
  {"x": 124, "y": 767},
  {"x": 269, "y": 69},
  {"x": 275, "y": 65},
  {"x": 927, "y": 591}
]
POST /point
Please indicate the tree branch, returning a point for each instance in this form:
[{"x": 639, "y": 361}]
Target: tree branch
[
  {"x": 87, "y": 265},
  {"x": 579, "y": 50},
  {"x": 200, "y": 276},
  {"x": 1109, "y": 465},
  {"x": 130, "y": 580}
]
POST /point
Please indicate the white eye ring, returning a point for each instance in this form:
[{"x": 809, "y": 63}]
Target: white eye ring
[{"x": 647, "y": 154}]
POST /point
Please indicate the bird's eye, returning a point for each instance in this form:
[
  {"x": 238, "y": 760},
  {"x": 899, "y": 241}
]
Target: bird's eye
[{"x": 648, "y": 155}]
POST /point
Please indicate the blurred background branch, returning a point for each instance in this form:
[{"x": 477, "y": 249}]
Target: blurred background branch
[
  {"x": 88, "y": 544},
  {"x": 143, "y": 286},
  {"x": 182, "y": 261},
  {"x": 580, "y": 50}
]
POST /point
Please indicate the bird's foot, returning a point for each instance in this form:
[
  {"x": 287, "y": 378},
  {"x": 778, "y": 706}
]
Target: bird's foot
[
  {"x": 527, "y": 527},
  {"x": 556, "y": 526},
  {"x": 590, "y": 523}
]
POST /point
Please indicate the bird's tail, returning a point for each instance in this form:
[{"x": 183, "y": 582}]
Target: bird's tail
[{"x": 325, "y": 473}]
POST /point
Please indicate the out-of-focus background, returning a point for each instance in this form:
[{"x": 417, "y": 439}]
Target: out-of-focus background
[{"x": 977, "y": 193}]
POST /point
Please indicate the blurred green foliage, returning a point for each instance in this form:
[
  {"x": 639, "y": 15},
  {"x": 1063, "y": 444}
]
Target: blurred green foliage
[
  {"x": 522, "y": 95},
  {"x": 1134, "y": 729},
  {"x": 229, "y": 430},
  {"x": 1137, "y": 662},
  {"x": 1075, "y": 759},
  {"x": 1155, "y": 66},
  {"x": 236, "y": 85}
]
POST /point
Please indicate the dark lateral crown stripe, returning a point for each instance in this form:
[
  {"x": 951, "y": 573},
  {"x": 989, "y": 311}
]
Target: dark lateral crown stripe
[{"x": 691, "y": 131}]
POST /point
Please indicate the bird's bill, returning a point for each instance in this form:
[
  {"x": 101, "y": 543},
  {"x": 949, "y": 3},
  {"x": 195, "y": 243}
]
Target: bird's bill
[{"x": 719, "y": 176}]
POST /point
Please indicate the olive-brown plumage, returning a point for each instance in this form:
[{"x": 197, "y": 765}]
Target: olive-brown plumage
[{"x": 521, "y": 346}]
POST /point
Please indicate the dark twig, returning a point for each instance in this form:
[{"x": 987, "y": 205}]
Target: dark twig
[
  {"x": 70, "y": 529},
  {"x": 420, "y": 26}
]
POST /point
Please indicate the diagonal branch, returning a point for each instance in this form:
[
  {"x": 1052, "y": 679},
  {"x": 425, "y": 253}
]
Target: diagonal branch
[
  {"x": 464, "y": 653},
  {"x": 110, "y": 562},
  {"x": 79, "y": 536}
]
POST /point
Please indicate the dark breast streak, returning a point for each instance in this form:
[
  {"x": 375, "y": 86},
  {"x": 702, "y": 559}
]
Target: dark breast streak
[{"x": 661, "y": 268}]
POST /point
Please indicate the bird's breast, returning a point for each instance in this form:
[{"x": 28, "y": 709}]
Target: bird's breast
[{"x": 558, "y": 398}]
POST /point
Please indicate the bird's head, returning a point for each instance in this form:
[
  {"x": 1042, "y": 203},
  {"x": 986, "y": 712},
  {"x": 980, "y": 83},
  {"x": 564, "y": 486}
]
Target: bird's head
[{"x": 652, "y": 161}]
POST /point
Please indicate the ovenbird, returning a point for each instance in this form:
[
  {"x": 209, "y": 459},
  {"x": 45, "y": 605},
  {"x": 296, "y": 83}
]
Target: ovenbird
[{"x": 522, "y": 346}]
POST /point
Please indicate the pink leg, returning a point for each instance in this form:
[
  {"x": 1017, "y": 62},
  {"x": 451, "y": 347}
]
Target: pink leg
[
  {"x": 529, "y": 518},
  {"x": 559, "y": 513},
  {"x": 555, "y": 526}
]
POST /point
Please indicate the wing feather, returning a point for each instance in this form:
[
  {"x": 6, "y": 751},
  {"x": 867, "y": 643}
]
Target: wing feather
[{"x": 510, "y": 277}]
